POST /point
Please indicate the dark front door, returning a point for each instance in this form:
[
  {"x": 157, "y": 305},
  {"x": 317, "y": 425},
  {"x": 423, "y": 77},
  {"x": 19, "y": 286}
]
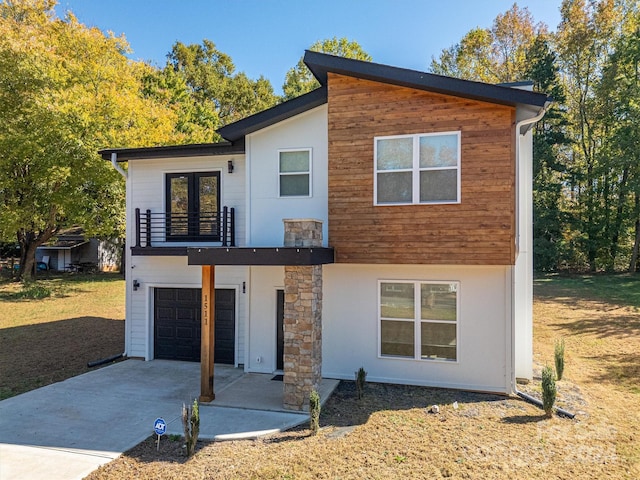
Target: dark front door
[
  {"x": 280, "y": 330},
  {"x": 193, "y": 206},
  {"x": 177, "y": 324},
  {"x": 225, "y": 334}
]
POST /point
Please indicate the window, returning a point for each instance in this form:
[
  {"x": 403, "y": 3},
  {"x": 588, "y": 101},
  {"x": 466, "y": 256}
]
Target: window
[
  {"x": 294, "y": 169},
  {"x": 418, "y": 320},
  {"x": 192, "y": 206},
  {"x": 423, "y": 168}
]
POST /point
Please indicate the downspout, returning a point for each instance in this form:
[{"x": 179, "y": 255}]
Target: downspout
[
  {"x": 537, "y": 402},
  {"x": 114, "y": 162},
  {"x": 519, "y": 126}
]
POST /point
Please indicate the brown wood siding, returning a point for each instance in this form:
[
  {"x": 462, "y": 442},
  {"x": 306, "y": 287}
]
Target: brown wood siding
[{"x": 478, "y": 231}]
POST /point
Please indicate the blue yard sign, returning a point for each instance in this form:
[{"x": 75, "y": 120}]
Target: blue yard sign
[{"x": 160, "y": 426}]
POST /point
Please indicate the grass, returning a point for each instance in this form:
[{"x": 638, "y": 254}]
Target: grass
[
  {"x": 50, "y": 329},
  {"x": 619, "y": 289},
  {"x": 389, "y": 434}
]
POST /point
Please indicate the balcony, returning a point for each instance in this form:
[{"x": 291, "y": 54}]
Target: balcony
[{"x": 169, "y": 234}]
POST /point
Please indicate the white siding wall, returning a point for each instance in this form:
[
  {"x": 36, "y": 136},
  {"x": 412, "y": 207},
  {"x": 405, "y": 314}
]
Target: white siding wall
[
  {"x": 146, "y": 190},
  {"x": 350, "y": 327},
  {"x": 266, "y": 210},
  {"x": 261, "y": 342}
]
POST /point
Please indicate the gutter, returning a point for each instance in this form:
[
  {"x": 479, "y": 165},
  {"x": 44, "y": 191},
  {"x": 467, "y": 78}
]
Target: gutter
[
  {"x": 537, "y": 118},
  {"x": 114, "y": 162}
]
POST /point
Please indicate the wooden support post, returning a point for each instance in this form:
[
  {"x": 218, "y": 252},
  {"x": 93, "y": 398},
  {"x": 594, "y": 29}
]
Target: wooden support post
[{"x": 207, "y": 340}]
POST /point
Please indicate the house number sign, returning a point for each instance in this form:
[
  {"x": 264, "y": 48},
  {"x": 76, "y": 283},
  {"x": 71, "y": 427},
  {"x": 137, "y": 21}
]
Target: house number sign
[{"x": 205, "y": 310}]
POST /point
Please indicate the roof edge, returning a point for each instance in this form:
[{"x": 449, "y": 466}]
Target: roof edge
[
  {"x": 290, "y": 108},
  {"x": 170, "y": 151},
  {"x": 321, "y": 64}
]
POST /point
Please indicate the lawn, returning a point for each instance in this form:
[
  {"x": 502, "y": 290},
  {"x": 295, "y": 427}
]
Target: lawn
[
  {"x": 46, "y": 340},
  {"x": 389, "y": 434}
]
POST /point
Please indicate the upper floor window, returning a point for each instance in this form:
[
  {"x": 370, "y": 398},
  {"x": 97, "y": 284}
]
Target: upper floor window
[
  {"x": 294, "y": 168},
  {"x": 421, "y": 168}
]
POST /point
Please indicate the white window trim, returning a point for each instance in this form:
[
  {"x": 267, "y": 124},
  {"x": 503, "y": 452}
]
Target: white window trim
[
  {"x": 280, "y": 174},
  {"x": 415, "y": 169},
  {"x": 417, "y": 322}
]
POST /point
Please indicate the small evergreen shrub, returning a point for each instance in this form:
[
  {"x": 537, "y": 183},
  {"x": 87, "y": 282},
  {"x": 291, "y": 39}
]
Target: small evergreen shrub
[
  {"x": 191, "y": 425},
  {"x": 361, "y": 378},
  {"x": 314, "y": 412},
  {"x": 548, "y": 390},
  {"x": 559, "y": 357}
]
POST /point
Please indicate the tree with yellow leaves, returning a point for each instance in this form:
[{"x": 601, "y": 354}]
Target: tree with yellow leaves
[{"x": 66, "y": 91}]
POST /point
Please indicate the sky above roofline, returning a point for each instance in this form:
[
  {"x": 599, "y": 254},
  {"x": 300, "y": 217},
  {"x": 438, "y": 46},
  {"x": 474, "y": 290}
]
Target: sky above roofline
[{"x": 268, "y": 37}]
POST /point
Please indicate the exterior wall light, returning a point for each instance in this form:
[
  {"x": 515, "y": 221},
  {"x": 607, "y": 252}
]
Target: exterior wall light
[
  {"x": 136, "y": 285},
  {"x": 230, "y": 166}
]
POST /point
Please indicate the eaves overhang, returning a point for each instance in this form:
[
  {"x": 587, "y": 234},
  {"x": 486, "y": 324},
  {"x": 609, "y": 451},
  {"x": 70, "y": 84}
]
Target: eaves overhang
[
  {"x": 175, "y": 151},
  {"x": 321, "y": 64},
  {"x": 248, "y": 256}
]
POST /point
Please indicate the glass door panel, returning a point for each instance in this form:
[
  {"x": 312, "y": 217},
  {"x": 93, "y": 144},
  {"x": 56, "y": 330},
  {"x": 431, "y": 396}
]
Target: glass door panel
[
  {"x": 208, "y": 207},
  {"x": 177, "y": 216}
]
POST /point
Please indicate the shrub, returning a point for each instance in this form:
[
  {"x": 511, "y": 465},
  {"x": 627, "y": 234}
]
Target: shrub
[
  {"x": 33, "y": 291},
  {"x": 559, "y": 357},
  {"x": 361, "y": 378},
  {"x": 548, "y": 390},
  {"x": 314, "y": 412},
  {"x": 191, "y": 424}
]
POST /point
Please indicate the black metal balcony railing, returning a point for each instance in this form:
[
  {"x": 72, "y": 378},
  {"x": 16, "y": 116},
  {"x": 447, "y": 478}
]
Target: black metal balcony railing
[{"x": 153, "y": 228}]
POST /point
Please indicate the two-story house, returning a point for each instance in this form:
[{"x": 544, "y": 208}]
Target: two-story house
[{"x": 381, "y": 221}]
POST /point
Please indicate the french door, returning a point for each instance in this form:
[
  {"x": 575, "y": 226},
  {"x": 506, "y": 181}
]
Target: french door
[{"x": 193, "y": 206}]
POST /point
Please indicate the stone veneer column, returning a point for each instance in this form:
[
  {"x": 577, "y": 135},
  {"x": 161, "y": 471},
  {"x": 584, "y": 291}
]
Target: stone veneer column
[{"x": 302, "y": 317}]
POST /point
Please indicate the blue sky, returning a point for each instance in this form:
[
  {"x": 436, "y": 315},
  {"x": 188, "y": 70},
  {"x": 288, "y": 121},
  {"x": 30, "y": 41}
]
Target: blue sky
[{"x": 268, "y": 37}]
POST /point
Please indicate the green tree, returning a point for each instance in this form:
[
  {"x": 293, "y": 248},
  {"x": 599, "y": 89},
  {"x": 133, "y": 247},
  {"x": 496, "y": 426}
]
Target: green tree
[
  {"x": 299, "y": 79},
  {"x": 493, "y": 55},
  {"x": 620, "y": 90},
  {"x": 585, "y": 39},
  {"x": 196, "y": 120},
  {"x": 65, "y": 91},
  {"x": 549, "y": 146},
  {"x": 201, "y": 85},
  {"x": 470, "y": 59}
]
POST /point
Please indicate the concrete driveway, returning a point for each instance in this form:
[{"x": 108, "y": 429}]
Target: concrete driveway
[{"x": 68, "y": 429}]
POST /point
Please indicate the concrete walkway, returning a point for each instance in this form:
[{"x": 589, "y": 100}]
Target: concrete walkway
[{"x": 68, "y": 429}]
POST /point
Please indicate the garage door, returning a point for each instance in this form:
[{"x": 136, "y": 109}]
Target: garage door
[{"x": 177, "y": 324}]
